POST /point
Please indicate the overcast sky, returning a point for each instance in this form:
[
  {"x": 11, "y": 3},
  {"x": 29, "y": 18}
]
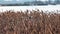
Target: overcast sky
[
  {"x": 13, "y": 1},
  {"x": 17, "y": 1}
]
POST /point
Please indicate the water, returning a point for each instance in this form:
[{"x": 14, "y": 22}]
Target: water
[{"x": 24, "y": 8}]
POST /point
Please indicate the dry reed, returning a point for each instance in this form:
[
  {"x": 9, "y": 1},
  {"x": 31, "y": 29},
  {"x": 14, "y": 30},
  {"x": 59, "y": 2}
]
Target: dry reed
[{"x": 34, "y": 22}]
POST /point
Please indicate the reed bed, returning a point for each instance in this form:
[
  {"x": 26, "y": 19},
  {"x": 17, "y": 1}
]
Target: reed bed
[{"x": 29, "y": 22}]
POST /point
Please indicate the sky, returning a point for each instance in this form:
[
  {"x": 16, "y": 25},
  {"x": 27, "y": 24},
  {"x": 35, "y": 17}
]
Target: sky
[
  {"x": 16, "y": 1},
  {"x": 42, "y": 0},
  {"x": 13, "y": 1}
]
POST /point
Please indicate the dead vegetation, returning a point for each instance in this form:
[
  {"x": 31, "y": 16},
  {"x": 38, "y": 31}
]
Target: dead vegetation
[{"x": 29, "y": 23}]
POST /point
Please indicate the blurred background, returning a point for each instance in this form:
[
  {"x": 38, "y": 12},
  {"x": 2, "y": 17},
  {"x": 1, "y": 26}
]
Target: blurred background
[{"x": 28, "y": 2}]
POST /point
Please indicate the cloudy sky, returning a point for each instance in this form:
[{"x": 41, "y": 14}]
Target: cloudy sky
[
  {"x": 16, "y": 1},
  {"x": 13, "y": 1}
]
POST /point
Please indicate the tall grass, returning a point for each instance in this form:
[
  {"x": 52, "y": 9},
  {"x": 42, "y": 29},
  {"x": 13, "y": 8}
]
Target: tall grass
[{"x": 29, "y": 22}]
